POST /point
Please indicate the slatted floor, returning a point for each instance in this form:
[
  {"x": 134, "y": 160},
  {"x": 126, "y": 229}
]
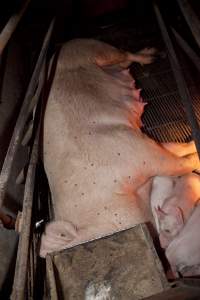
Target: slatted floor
[{"x": 164, "y": 118}]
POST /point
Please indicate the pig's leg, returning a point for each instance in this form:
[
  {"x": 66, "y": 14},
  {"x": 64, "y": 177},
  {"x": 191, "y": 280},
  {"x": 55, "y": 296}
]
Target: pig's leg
[
  {"x": 173, "y": 166},
  {"x": 58, "y": 234},
  {"x": 123, "y": 59},
  {"x": 143, "y": 57},
  {"x": 180, "y": 149},
  {"x": 161, "y": 163}
]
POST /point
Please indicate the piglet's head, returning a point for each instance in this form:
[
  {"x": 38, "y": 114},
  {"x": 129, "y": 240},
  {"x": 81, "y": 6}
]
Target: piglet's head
[{"x": 170, "y": 222}]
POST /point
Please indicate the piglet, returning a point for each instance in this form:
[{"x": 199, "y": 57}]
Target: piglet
[
  {"x": 183, "y": 253},
  {"x": 175, "y": 204}
]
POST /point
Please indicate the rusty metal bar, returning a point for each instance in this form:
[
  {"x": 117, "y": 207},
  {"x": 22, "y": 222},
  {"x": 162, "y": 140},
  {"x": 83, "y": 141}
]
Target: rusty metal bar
[
  {"x": 18, "y": 292},
  {"x": 22, "y": 118},
  {"x": 191, "y": 19},
  {"x": 180, "y": 80},
  {"x": 19, "y": 285},
  {"x": 10, "y": 27},
  {"x": 51, "y": 278},
  {"x": 187, "y": 49}
]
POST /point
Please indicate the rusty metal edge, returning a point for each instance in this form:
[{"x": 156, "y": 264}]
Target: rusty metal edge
[{"x": 157, "y": 261}]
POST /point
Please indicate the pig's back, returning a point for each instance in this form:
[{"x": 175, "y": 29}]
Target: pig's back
[{"x": 85, "y": 130}]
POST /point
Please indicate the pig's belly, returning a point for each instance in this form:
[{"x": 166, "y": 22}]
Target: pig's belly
[{"x": 94, "y": 198}]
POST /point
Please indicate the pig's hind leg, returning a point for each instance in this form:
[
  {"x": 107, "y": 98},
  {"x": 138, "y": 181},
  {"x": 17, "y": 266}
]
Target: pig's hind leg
[
  {"x": 168, "y": 164},
  {"x": 119, "y": 59},
  {"x": 57, "y": 236},
  {"x": 180, "y": 149}
]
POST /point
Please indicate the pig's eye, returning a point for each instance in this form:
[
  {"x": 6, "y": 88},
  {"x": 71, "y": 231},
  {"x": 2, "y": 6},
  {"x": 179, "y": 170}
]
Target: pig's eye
[{"x": 167, "y": 230}]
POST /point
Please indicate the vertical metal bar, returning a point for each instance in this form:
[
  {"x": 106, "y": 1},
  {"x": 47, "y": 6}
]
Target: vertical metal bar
[
  {"x": 181, "y": 84},
  {"x": 21, "y": 269},
  {"x": 191, "y": 19},
  {"x": 187, "y": 49},
  {"x": 51, "y": 278},
  {"x": 22, "y": 118},
  {"x": 23, "y": 247}
]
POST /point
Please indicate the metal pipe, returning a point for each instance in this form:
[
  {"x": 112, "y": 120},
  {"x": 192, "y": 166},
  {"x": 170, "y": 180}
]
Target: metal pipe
[
  {"x": 181, "y": 84},
  {"x": 22, "y": 118},
  {"x": 187, "y": 49},
  {"x": 10, "y": 27},
  {"x": 191, "y": 19}
]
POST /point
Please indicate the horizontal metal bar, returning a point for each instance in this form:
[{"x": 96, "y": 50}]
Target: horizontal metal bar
[
  {"x": 187, "y": 49},
  {"x": 22, "y": 118},
  {"x": 191, "y": 19},
  {"x": 180, "y": 80}
]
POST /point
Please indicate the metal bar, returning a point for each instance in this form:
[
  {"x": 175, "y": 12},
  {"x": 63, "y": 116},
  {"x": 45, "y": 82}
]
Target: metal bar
[
  {"x": 10, "y": 27},
  {"x": 21, "y": 269},
  {"x": 18, "y": 292},
  {"x": 51, "y": 278},
  {"x": 22, "y": 118},
  {"x": 191, "y": 19},
  {"x": 181, "y": 84},
  {"x": 187, "y": 49}
]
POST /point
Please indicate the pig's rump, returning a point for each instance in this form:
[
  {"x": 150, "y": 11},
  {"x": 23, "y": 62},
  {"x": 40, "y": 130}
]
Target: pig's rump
[{"x": 96, "y": 157}]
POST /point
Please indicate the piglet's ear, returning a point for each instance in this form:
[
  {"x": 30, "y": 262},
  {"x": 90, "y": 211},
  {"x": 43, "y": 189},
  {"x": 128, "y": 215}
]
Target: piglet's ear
[
  {"x": 160, "y": 212},
  {"x": 178, "y": 214}
]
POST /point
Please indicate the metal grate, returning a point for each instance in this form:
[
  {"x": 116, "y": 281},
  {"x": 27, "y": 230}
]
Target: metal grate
[{"x": 164, "y": 118}]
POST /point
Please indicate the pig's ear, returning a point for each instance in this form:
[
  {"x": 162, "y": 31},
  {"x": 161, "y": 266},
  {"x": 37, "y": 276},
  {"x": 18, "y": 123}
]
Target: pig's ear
[
  {"x": 160, "y": 212},
  {"x": 178, "y": 214}
]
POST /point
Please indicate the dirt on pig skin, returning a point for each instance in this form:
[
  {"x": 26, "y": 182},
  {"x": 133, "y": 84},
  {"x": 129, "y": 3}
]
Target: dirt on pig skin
[{"x": 95, "y": 156}]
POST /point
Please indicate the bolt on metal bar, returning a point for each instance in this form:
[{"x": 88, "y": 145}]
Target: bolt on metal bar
[
  {"x": 191, "y": 19},
  {"x": 22, "y": 118},
  {"x": 180, "y": 80},
  {"x": 187, "y": 49}
]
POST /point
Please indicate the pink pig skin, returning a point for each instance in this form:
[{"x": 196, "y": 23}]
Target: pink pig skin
[
  {"x": 94, "y": 153},
  {"x": 183, "y": 253},
  {"x": 177, "y": 206}
]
